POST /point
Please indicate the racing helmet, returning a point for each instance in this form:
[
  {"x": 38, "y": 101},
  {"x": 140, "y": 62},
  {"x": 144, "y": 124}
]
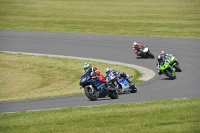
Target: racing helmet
[
  {"x": 86, "y": 66},
  {"x": 162, "y": 53},
  {"x": 135, "y": 45},
  {"x": 108, "y": 70}
]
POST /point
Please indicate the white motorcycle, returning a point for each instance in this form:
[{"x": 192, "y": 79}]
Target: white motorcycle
[{"x": 145, "y": 52}]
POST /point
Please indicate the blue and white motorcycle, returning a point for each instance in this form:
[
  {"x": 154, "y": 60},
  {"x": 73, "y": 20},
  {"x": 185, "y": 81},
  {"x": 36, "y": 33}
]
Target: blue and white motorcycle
[
  {"x": 122, "y": 85},
  {"x": 95, "y": 89},
  {"x": 125, "y": 86}
]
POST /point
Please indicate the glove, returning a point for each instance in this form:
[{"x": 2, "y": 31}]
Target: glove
[{"x": 159, "y": 72}]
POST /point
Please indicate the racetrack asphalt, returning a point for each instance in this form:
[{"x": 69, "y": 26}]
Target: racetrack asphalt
[{"x": 112, "y": 48}]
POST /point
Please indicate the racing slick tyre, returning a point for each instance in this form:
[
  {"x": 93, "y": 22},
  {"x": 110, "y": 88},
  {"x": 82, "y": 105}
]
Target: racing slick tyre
[
  {"x": 91, "y": 95},
  {"x": 177, "y": 68},
  {"x": 113, "y": 94},
  {"x": 133, "y": 89}
]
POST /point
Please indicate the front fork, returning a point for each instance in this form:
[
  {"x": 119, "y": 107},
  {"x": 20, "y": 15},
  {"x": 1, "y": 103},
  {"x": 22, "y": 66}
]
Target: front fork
[
  {"x": 92, "y": 88},
  {"x": 173, "y": 70}
]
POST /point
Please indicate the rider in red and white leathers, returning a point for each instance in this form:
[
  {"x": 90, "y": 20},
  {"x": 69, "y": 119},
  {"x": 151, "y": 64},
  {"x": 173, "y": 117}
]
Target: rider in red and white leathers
[{"x": 136, "y": 48}]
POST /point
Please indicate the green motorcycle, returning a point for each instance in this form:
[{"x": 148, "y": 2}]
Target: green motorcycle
[
  {"x": 174, "y": 62},
  {"x": 166, "y": 69}
]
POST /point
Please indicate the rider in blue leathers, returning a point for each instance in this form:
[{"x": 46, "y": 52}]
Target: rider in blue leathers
[{"x": 117, "y": 73}]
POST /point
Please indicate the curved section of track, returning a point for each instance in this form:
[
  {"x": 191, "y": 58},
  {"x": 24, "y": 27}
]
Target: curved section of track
[{"x": 113, "y": 48}]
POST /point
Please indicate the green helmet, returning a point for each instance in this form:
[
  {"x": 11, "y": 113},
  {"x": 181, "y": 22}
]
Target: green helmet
[{"x": 87, "y": 66}]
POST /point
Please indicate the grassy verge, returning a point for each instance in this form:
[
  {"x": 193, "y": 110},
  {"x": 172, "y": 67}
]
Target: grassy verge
[
  {"x": 31, "y": 77},
  {"x": 167, "y": 116},
  {"x": 173, "y": 18}
]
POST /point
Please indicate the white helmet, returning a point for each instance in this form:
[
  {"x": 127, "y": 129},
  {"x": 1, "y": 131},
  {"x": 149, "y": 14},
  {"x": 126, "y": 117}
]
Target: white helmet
[
  {"x": 135, "y": 45},
  {"x": 108, "y": 70},
  {"x": 162, "y": 53}
]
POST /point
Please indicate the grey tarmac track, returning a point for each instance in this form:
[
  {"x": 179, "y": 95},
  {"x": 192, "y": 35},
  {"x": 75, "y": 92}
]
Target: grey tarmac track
[{"x": 111, "y": 48}]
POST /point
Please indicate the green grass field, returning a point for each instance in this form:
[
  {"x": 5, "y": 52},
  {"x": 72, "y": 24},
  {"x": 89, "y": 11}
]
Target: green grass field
[
  {"x": 167, "y": 116},
  {"x": 33, "y": 75},
  {"x": 173, "y": 18}
]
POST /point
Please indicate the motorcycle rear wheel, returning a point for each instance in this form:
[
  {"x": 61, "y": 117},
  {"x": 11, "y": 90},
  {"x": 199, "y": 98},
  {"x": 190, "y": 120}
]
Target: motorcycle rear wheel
[{"x": 177, "y": 68}]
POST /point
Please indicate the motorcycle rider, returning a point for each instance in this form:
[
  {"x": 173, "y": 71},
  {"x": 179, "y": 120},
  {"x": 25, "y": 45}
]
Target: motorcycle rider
[
  {"x": 93, "y": 71},
  {"x": 136, "y": 48},
  {"x": 117, "y": 73},
  {"x": 161, "y": 58},
  {"x": 164, "y": 54}
]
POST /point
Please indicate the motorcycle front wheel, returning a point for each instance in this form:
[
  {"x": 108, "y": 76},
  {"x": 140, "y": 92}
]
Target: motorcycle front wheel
[
  {"x": 119, "y": 89},
  {"x": 169, "y": 74},
  {"x": 92, "y": 95},
  {"x": 113, "y": 94},
  {"x": 133, "y": 89}
]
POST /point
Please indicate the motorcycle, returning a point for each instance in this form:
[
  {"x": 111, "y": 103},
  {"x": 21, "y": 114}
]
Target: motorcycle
[
  {"x": 145, "y": 52},
  {"x": 174, "y": 62},
  {"x": 95, "y": 89},
  {"x": 122, "y": 85},
  {"x": 166, "y": 69},
  {"x": 125, "y": 86}
]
